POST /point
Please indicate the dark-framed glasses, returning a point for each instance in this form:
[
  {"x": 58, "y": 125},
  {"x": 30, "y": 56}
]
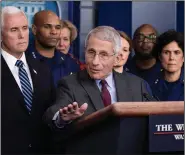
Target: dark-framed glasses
[
  {"x": 151, "y": 38},
  {"x": 101, "y": 55}
]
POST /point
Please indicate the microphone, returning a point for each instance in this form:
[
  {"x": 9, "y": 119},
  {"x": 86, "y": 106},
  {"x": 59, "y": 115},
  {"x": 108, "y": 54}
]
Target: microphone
[{"x": 149, "y": 97}]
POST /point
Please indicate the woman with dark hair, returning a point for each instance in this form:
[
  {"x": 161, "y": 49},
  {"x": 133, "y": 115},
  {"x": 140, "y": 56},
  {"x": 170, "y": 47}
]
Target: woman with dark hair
[{"x": 169, "y": 86}]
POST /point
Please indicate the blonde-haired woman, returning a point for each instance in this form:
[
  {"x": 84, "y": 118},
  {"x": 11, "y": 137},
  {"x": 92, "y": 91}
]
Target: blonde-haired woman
[{"x": 67, "y": 36}]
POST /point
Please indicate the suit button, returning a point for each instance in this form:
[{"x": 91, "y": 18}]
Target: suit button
[{"x": 30, "y": 145}]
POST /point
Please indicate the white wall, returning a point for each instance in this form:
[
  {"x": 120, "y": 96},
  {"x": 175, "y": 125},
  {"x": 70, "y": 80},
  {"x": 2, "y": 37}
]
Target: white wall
[
  {"x": 162, "y": 15},
  {"x": 86, "y": 23}
]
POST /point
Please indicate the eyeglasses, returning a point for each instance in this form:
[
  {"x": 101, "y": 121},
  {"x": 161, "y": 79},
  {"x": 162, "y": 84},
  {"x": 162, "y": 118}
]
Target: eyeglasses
[
  {"x": 151, "y": 38},
  {"x": 102, "y": 55}
]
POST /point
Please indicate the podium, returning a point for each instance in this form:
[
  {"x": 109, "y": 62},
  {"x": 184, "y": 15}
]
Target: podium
[{"x": 121, "y": 128}]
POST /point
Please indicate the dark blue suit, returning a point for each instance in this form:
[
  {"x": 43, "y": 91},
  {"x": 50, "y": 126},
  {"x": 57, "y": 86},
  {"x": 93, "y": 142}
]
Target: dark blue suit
[
  {"x": 61, "y": 65},
  {"x": 148, "y": 74},
  {"x": 169, "y": 91}
]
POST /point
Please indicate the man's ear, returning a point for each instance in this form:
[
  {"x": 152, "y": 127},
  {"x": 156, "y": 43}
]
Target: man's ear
[
  {"x": 133, "y": 43},
  {"x": 1, "y": 36},
  {"x": 117, "y": 59},
  {"x": 34, "y": 29}
]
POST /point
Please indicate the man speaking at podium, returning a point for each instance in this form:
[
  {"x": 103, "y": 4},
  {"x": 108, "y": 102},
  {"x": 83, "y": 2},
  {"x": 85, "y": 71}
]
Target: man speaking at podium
[{"x": 98, "y": 86}]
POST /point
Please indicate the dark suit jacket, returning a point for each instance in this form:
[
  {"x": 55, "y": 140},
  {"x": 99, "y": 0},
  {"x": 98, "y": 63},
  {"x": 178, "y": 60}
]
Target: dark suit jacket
[
  {"x": 82, "y": 89},
  {"x": 21, "y": 132}
]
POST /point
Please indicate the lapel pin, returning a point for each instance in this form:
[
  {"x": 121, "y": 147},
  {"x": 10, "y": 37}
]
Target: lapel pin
[
  {"x": 156, "y": 81},
  {"x": 35, "y": 71}
]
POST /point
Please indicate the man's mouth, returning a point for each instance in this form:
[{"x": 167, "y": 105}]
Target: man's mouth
[{"x": 94, "y": 70}]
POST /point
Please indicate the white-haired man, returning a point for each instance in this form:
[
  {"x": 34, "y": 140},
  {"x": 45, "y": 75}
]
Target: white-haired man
[
  {"x": 98, "y": 86},
  {"x": 26, "y": 86}
]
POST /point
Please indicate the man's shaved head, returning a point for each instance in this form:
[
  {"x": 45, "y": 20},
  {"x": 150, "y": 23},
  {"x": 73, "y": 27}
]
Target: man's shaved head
[
  {"x": 144, "y": 40},
  {"x": 41, "y": 15},
  {"x": 46, "y": 29},
  {"x": 143, "y": 27}
]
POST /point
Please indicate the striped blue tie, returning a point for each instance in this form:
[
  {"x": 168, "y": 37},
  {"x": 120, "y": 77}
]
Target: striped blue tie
[{"x": 25, "y": 85}]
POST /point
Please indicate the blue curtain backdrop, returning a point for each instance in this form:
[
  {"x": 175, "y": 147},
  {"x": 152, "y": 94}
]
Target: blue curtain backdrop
[
  {"x": 116, "y": 14},
  {"x": 180, "y": 16},
  {"x": 74, "y": 17}
]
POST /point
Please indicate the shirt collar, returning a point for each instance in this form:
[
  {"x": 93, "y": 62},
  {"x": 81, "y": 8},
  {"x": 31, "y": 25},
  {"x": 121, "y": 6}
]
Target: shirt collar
[
  {"x": 181, "y": 78},
  {"x": 35, "y": 53},
  {"x": 58, "y": 56},
  {"x": 11, "y": 60},
  {"x": 109, "y": 79}
]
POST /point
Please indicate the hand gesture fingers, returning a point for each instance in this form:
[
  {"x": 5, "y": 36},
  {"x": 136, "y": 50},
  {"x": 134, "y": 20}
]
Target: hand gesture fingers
[
  {"x": 70, "y": 108},
  {"x": 72, "y": 111}
]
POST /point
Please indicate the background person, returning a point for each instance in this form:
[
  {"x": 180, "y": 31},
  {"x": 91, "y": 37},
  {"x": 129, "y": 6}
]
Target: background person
[
  {"x": 47, "y": 34},
  {"x": 145, "y": 63},
  {"x": 124, "y": 52},
  {"x": 169, "y": 85},
  {"x": 27, "y": 90},
  {"x": 68, "y": 35}
]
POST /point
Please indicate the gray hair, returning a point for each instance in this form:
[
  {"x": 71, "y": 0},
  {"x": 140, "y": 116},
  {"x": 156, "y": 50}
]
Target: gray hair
[
  {"x": 106, "y": 33},
  {"x": 9, "y": 10}
]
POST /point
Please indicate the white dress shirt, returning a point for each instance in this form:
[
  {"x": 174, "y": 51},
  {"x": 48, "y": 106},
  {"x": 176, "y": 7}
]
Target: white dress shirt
[
  {"x": 11, "y": 60},
  {"x": 110, "y": 86}
]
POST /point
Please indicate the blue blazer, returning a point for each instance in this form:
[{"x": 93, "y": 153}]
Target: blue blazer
[{"x": 164, "y": 93}]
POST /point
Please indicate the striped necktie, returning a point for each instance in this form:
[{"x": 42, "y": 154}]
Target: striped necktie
[{"x": 25, "y": 85}]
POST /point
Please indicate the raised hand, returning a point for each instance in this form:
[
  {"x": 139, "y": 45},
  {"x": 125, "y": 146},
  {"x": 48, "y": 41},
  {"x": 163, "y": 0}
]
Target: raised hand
[{"x": 72, "y": 111}]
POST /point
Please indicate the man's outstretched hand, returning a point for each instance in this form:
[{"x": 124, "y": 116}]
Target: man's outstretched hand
[{"x": 72, "y": 111}]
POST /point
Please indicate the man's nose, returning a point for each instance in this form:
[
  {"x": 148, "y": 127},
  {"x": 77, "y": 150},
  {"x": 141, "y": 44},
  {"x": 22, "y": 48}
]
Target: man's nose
[
  {"x": 146, "y": 40},
  {"x": 53, "y": 30},
  {"x": 96, "y": 60},
  {"x": 21, "y": 34}
]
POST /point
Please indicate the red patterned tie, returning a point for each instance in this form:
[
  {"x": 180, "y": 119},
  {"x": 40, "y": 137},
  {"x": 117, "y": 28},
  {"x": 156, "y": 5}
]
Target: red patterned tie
[{"x": 105, "y": 94}]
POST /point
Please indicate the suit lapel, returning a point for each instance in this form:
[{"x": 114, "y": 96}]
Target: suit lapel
[
  {"x": 34, "y": 74},
  {"x": 123, "y": 89},
  {"x": 92, "y": 90},
  {"x": 10, "y": 83}
]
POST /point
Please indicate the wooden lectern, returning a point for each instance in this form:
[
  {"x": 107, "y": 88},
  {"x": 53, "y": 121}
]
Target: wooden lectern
[{"x": 121, "y": 128}]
